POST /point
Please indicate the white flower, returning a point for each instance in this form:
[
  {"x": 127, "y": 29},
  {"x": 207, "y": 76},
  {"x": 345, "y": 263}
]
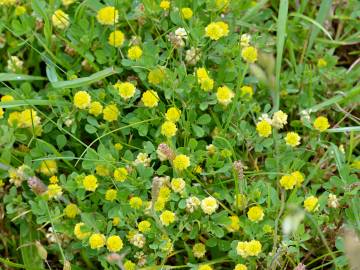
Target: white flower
[
  {"x": 142, "y": 158},
  {"x": 245, "y": 40},
  {"x": 192, "y": 203},
  {"x": 192, "y": 56},
  {"x": 265, "y": 117},
  {"x": 279, "y": 119},
  {"x": 138, "y": 240},
  {"x": 14, "y": 63},
  {"x": 181, "y": 33},
  {"x": 333, "y": 201}
]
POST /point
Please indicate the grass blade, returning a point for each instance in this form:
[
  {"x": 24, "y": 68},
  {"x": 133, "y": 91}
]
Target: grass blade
[
  {"x": 86, "y": 80},
  {"x": 320, "y": 19},
  {"x": 280, "y": 41},
  {"x": 9, "y": 77},
  {"x": 33, "y": 102},
  {"x": 344, "y": 129},
  {"x": 353, "y": 93},
  {"x": 315, "y": 23}
]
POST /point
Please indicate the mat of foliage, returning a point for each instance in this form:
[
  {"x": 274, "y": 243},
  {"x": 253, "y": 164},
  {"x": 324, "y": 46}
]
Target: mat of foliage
[{"x": 179, "y": 134}]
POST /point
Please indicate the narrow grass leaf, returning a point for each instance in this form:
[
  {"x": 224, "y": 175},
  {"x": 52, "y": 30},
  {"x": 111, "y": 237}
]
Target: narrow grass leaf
[
  {"x": 8, "y": 77},
  {"x": 280, "y": 41},
  {"x": 320, "y": 19},
  {"x": 86, "y": 80},
  {"x": 32, "y": 102}
]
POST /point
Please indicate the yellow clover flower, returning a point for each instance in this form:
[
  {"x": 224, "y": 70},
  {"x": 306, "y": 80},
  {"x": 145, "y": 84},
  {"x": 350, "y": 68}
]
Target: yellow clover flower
[
  {"x": 107, "y": 15},
  {"x": 97, "y": 241},
  {"x": 116, "y": 38}
]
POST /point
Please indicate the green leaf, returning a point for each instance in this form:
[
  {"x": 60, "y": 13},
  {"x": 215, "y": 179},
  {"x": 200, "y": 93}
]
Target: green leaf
[
  {"x": 32, "y": 102},
  {"x": 28, "y": 236},
  {"x": 204, "y": 119},
  {"x": 81, "y": 82},
  {"x": 280, "y": 41},
  {"x": 199, "y": 132},
  {"x": 8, "y": 77}
]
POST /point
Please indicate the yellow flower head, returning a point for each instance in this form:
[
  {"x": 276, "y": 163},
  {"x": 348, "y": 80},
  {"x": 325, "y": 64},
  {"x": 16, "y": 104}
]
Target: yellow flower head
[
  {"x": 209, "y": 205},
  {"x": 187, "y": 13},
  {"x": 71, "y": 210},
  {"x": 205, "y": 267},
  {"x": 116, "y": 221},
  {"x": 247, "y": 91},
  {"x": 321, "y": 63},
  {"x": 116, "y": 38},
  {"x": 288, "y": 181},
  {"x": 28, "y": 118},
  {"x": 79, "y": 233},
  {"x": 311, "y": 204},
  {"x": 249, "y": 54},
  {"x": 82, "y": 100},
  {"x": 126, "y": 89},
  {"x": 254, "y": 248},
  {"x": 54, "y": 191},
  {"x": 292, "y": 139},
  {"x": 255, "y": 214},
  {"x": 181, "y": 162},
  {"x": 120, "y": 174},
  {"x": 135, "y": 52},
  {"x": 177, "y": 185},
  {"x": 234, "y": 225},
  {"x": 224, "y": 95},
  {"x": 245, "y": 249},
  {"x": 129, "y": 265},
  {"x": 102, "y": 170},
  {"x": 298, "y": 177},
  {"x": 136, "y": 202},
  {"x": 216, "y": 30},
  {"x": 107, "y": 15},
  {"x": 150, "y": 98},
  {"x": 95, "y": 108},
  {"x": 110, "y": 113},
  {"x": 167, "y": 217},
  {"x": 144, "y": 226},
  {"x": 53, "y": 179},
  {"x": 207, "y": 84},
  {"x": 90, "y": 182},
  {"x": 7, "y": 98},
  {"x": 173, "y": 114},
  {"x": 240, "y": 266},
  {"x": 48, "y": 167},
  {"x": 156, "y": 75},
  {"x": 1, "y": 113},
  {"x": 118, "y": 146},
  {"x": 60, "y": 19},
  {"x": 168, "y": 129},
  {"x": 263, "y": 128},
  {"x": 114, "y": 243},
  {"x": 165, "y": 5},
  {"x": 321, "y": 123},
  {"x": 201, "y": 74},
  {"x": 199, "y": 250},
  {"x": 97, "y": 240},
  {"x": 110, "y": 194}
]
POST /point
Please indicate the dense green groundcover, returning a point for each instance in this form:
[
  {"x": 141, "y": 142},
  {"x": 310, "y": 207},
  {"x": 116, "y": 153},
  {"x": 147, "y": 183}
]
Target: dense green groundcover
[{"x": 182, "y": 134}]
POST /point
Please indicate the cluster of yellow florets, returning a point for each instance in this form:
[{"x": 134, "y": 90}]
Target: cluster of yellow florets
[
  {"x": 27, "y": 118},
  {"x": 60, "y": 19},
  {"x": 71, "y": 210},
  {"x": 111, "y": 113},
  {"x": 150, "y": 98},
  {"x": 90, "y": 182},
  {"x": 82, "y": 100},
  {"x": 168, "y": 129},
  {"x": 249, "y": 54},
  {"x": 107, "y": 15},
  {"x": 251, "y": 248},
  {"x": 181, "y": 162},
  {"x": 187, "y": 13},
  {"x": 217, "y": 30},
  {"x": 126, "y": 89},
  {"x": 116, "y": 38},
  {"x": 321, "y": 123},
  {"x": 224, "y": 95},
  {"x": 292, "y": 180},
  {"x": 255, "y": 214},
  {"x": 206, "y": 83},
  {"x": 292, "y": 139},
  {"x": 134, "y": 53},
  {"x": 311, "y": 204},
  {"x": 120, "y": 174},
  {"x": 263, "y": 128},
  {"x": 167, "y": 217}
]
